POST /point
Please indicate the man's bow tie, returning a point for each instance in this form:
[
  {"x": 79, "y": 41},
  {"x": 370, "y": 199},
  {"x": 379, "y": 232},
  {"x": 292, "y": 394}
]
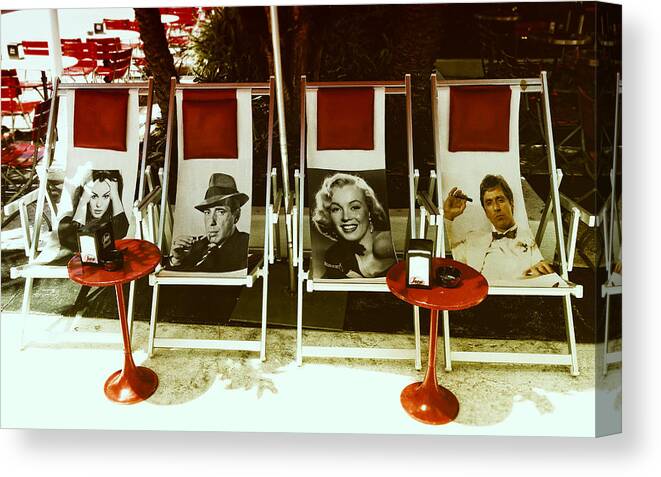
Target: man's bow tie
[{"x": 510, "y": 235}]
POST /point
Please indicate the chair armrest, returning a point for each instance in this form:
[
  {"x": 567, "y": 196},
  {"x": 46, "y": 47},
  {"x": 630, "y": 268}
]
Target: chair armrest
[
  {"x": 586, "y": 217},
  {"x": 277, "y": 205},
  {"x": 423, "y": 199},
  {"x": 572, "y": 238},
  {"x": 297, "y": 181},
  {"x": 154, "y": 196},
  {"x": 27, "y": 199}
]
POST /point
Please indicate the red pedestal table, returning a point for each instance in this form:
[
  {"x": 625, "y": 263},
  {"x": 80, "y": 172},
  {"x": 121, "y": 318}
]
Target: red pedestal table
[
  {"x": 426, "y": 401},
  {"x": 133, "y": 383}
]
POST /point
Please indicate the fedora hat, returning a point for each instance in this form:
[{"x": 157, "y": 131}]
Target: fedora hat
[{"x": 221, "y": 188}]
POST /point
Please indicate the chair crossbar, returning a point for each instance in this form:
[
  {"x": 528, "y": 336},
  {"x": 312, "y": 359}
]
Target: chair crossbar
[
  {"x": 515, "y": 358},
  {"x": 38, "y": 271},
  {"x": 142, "y": 87},
  {"x": 613, "y": 357},
  {"x": 364, "y": 285},
  {"x": 228, "y": 345},
  {"x": 169, "y": 277},
  {"x": 257, "y": 89},
  {"x": 355, "y": 352},
  {"x": 528, "y": 85},
  {"x": 561, "y": 290}
]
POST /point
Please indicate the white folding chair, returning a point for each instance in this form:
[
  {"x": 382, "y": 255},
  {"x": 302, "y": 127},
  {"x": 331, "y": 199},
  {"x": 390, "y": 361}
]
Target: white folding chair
[
  {"x": 359, "y": 154},
  {"x": 465, "y": 154},
  {"x": 613, "y": 240},
  {"x": 99, "y": 132},
  {"x": 216, "y": 148}
]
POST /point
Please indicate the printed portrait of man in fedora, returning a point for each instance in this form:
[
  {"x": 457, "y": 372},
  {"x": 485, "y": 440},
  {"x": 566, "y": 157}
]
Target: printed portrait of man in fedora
[{"x": 223, "y": 248}]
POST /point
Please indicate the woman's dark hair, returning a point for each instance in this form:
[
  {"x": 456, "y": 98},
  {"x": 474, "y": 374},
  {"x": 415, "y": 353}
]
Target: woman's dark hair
[
  {"x": 100, "y": 175},
  {"x": 321, "y": 216},
  {"x": 492, "y": 182}
]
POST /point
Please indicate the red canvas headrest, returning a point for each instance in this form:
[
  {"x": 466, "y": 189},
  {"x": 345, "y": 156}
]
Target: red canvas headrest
[
  {"x": 210, "y": 124},
  {"x": 345, "y": 118},
  {"x": 479, "y": 118},
  {"x": 100, "y": 119}
]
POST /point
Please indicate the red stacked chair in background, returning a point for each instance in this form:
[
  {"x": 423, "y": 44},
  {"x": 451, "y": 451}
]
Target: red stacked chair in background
[
  {"x": 35, "y": 48},
  {"x": 19, "y": 159},
  {"x": 127, "y": 25},
  {"x": 103, "y": 47},
  {"x": 11, "y": 98},
  {"x": 178, "y": 31},
  {"x": 110, "y": 24},
  {"x": 123, "y": 25},
  {"x": 117, "y": 66},
  {"x": 39, "y": 48},
  {"x": 86, "y": 64},
  {"x": 112, "y": 60}
]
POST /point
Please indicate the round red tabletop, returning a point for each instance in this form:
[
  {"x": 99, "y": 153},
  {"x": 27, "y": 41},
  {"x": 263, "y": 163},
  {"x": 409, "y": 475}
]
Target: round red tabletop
[
  {"x": 140, "y": 258},
  {"x": 472, "y": 290},
  {"x": 131, "y": 384}
]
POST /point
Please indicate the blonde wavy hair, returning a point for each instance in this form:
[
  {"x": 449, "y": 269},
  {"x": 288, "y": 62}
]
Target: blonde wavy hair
[{"x": 324, "y": 197}]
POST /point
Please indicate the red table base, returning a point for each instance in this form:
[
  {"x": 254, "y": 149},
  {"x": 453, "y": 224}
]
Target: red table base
[
  {"x": 132, "y": 383},
  {"x": 129, "y": 388},
  {"x": 429, "y": 404},
  {"x": 427, "y": 401}
]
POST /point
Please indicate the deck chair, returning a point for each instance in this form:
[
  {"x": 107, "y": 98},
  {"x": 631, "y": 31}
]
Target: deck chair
[
  {"x": 206, "y": 242},
  {"x": 19, "y": 159},
  {"x": 592, "y": 145},
  {"x": 613, "y": 240},
  {"x": 12, "y": 104},
  {"x": 476, "y": 138},
  {"x": 343, "y": 149},
  {"x": 94, "y": 144}
]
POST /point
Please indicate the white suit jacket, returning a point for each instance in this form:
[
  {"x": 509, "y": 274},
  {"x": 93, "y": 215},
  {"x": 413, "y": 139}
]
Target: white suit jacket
[{"x": 502, "y": 259}]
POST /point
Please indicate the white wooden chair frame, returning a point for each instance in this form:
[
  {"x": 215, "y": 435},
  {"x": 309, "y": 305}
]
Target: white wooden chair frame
[
  {"x": 305, "y": 282},
  {"x": 610, "y": 288},
  {"x": 47, "y": 171},
  {"x": 528, "y": 85},
  {"x": 261, "y": 269}
]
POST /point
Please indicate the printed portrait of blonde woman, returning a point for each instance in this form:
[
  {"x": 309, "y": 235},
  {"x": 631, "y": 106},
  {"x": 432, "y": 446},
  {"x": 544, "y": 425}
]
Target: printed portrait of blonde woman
[{"x": 348, "y": 212}]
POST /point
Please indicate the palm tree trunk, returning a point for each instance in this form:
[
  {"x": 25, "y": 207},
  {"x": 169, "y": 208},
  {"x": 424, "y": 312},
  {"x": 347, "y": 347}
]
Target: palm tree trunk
[
  {"x": 418, "y": 42},
  {"x": 158, "y": 56}
]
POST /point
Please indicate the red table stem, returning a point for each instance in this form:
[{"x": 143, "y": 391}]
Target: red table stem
[
  {"x": 129, "y": 364},
  {"x": 426, "y": 401},
  {"x": 430, "y": 380},
  {"x": 132, "y": 383}
]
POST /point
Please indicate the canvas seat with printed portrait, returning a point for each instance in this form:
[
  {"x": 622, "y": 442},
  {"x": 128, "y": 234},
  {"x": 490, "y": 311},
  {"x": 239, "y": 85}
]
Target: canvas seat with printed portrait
[
  {"x": 208, "y": 240},
  {"x": 92, "y": 172},
  {"x": 343, "y": 165},
  {"x": 482, "y": 215}
]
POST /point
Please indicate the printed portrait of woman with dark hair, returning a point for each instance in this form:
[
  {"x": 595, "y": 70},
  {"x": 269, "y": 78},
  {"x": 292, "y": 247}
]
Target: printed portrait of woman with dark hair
[
  {"x": 97, "y": 200},
  {"x": 348, "y": 212}
]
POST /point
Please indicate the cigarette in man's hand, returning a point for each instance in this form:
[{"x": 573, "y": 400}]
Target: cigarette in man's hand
[{"x": 463, "y": 197}]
